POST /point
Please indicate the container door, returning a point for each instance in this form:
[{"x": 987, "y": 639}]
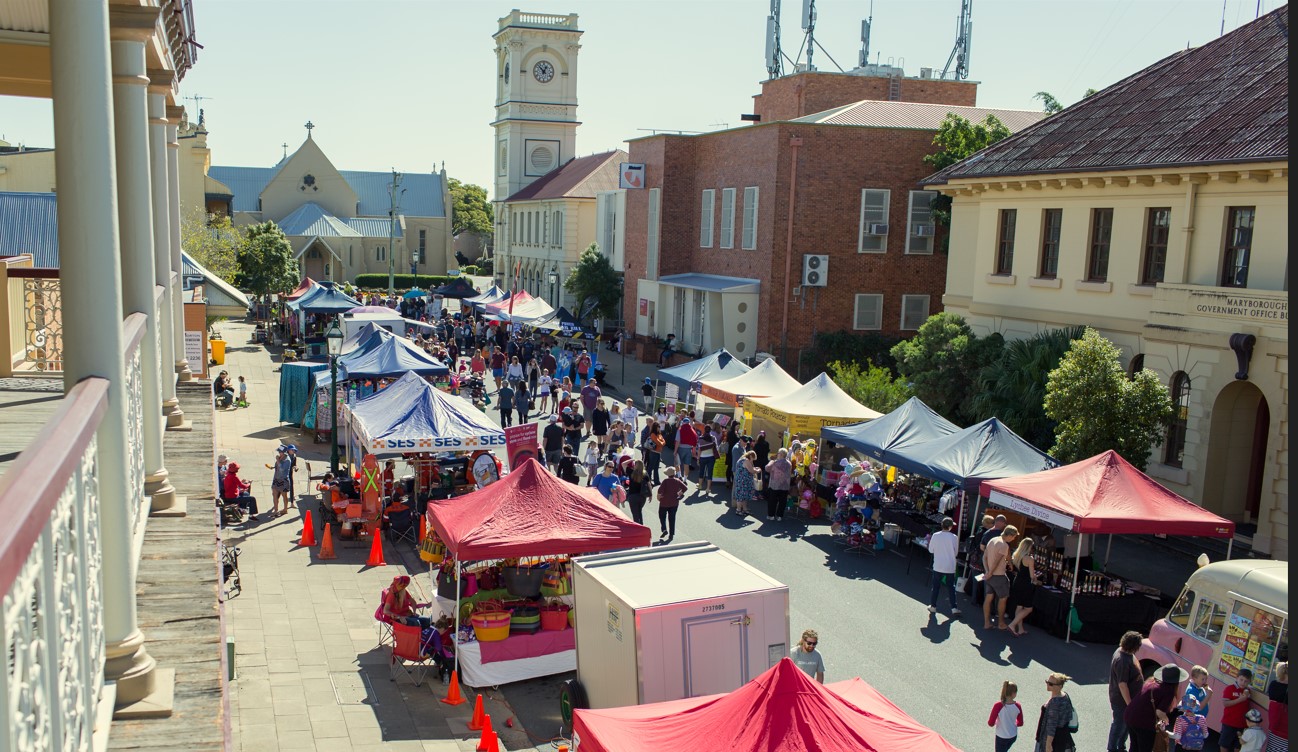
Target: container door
[{"x": 716, "y": 647}]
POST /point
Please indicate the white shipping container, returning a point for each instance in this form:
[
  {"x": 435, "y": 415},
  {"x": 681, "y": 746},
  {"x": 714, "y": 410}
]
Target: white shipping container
[{"x": 677, "y": 621}]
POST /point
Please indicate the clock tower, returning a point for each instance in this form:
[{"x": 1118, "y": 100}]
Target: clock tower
[{"x": 536, "y": 98}]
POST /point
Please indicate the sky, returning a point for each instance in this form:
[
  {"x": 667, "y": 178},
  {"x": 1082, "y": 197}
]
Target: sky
[{"x": 410, "y": 84}]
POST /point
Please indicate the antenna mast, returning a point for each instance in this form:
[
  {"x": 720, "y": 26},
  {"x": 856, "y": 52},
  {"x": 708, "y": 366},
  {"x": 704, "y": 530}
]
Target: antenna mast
[
  {"x": 864, "y": 58},
  {"x": 774, "y": 63},
  {"x": 809, "y": 26},
  {"x": 960, "y": 52}
]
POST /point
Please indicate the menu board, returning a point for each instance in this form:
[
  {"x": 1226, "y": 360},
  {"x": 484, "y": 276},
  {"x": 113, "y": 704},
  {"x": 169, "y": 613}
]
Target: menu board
[{"x": 1251, "y": 637}]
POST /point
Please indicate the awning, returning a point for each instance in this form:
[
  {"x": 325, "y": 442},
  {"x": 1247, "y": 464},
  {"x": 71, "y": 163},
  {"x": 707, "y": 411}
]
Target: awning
[
  {"x": 816, "y": 404},
  {"x": 522, "y": 307},
  {"x": 711, "y": 282},
  {"x": 719, "y": 365},
  {"x": 390, "y": 358},
  {"x": 983, "y": 451},
  {"x": 912, "y": 423},
  {"x": 767, "y": 379},
  {"x": 410, "y": 415}
]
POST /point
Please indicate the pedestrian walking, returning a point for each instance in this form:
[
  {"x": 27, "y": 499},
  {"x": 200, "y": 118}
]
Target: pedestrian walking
[
  {"x": 522, "y": 401},
  {"x": 572, "y": 425},
  {"x": 601, "y": 421},
  {"x": 590, "y": 461},
  {"x": 1054, "y": 725},
  {"x": 567, "y": 467},
  {"x": 1147, "y": 715},
  {"x": 779, "y": 473},
  {"x": 637, "y": 490},
  {"x": 944, "y": 545},
  {"x": 629, "y": 414},
  {"x": 497, "y": 366},
  {"x": 652, "y": 449},
  {"x": 1125, "y": 679},
  {"x": 590, "y": 398},
  {"x": 670, "y": 493},
  {"x": 552, "y": 442},
  {"x": 606, "y": 480},
  {"x": 806, "y": 657},
  {"x": 543, "y": 392},
  {"x": 744, "y": 490},
  {"x": 1006, "y": 717},
  {"x": 1277, "y": 715},
  {"x": 505, "y": 398},
  {"x": 1024, "y": 585},
  {"x": 996, "y": 560},
  {"x": 281, "y": 483},
  {"x": 707, "y": 458}
]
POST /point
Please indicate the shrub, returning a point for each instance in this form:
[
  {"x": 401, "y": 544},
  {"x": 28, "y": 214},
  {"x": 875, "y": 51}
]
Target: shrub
[
  {"x": 400, "y": 281},
  {"x": 470, "y": 269},
  {"x": 861, "y": 349}
]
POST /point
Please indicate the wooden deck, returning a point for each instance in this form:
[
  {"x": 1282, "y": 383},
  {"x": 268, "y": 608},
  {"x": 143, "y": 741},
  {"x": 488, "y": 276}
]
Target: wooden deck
[
  {"x": 177, "y": 589},
  {"x": 26, "y": 404}
]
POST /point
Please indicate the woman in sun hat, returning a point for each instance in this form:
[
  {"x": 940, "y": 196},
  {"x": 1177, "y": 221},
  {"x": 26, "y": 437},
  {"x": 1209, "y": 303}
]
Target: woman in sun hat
[{"x": 1147, "y": 713}]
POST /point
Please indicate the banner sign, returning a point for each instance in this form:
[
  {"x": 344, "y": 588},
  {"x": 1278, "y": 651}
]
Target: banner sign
[
  {"x": 630, "y": 175},
  {"x": 194, "y": 351},
  {"x": 520, "y": 444},
  {"x": 438, "y": 444},
  {"x": 1035, "y": 511}
]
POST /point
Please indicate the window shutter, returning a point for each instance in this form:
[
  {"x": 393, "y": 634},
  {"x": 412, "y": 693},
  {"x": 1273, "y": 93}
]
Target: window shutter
[
  {"x": 727, "y": 217},
  {"x": 914, "y": 311},
  {"x": 868, "y": 313},
  {"x": 874, "y": 212},
  {"x": 748, "y": 241},
  {"x": 706, "y": 216},
  {"x": 920, "y": 233}
]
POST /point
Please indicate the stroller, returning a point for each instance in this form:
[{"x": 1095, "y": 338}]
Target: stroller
[{"x": 232, "y": 585}]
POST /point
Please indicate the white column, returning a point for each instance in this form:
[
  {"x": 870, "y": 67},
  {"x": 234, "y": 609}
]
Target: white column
[
  {"x": 159, "y": 84},
  {"x": 92, "y": 304},
  {"x": 174, "y": 115},
  {"x": 129, "y": 30}
]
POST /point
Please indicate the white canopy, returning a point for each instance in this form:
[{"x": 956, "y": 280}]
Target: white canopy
[
  {"x": 410, "y": 415},
  {"x": 766, "y": 380},
  {"x": 818, "y": 403}
]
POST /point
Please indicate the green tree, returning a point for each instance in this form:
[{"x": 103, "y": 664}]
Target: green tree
[
  {"x": 860, "y": 348},
  {"x": 470, "y": 209},
  {"x": 593, "y": 279},
  {"x": 941, "y": 362},
  {"x": 956, "y": 139},
  {"x": 1049, "y": 104},
  {"x": 1013, "y": 388},
  {"x": 873, "y": 386},
  {"x": 213, "y": 242},
  {"x": 266, "y": 263},
  {"x": 1097, "y": 407}
]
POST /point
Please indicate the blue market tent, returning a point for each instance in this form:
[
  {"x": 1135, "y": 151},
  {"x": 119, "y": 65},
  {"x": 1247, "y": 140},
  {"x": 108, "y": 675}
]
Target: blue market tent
[
  {"x": 719, "y": 365},
  {"x": 324, "y": 299},
  {"x": 392, "y": 357},
  {"x": 295, "y": 389},
  {"x": 456, "y": 288},
  {"x": 984, "y": 451},
  {"x": 912, "y": 423},
  {"x": 411, "y": 415},
  {"x": 493, "y": 295},
  {"x": 365, "y": 339}
]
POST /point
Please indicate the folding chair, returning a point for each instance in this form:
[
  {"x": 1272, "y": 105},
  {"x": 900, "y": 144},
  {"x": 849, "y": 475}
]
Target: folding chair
[
  {"x": 385, "y": 624},
  {"x": 401, "y": 526},
  {"x": 406, "y": 655}
]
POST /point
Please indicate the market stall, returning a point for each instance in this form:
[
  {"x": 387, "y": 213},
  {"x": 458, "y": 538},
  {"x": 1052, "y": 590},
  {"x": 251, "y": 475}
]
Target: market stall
[
  {"x": 527, "y": 514},
  {"x": 783, "y": 710},
  {"x": 1101, "y": 495},
  {"x": 912, "y": 423},
  {"x": 492, "y": 294},
  {"x": 680, "y": 383},
  {"x": 521, "y": 307},
  {"x": 766, "y": 379},
  {"x": 315, "y": 308},
  {"x": 296, "y": 389},
  {"x": 391, "y": 357},
  {"x": 412, "y": 415},
  {"x": 805, "y": 411}
]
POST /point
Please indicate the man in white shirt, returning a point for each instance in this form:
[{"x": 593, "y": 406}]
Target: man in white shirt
[{"x": 944, "y": 545}]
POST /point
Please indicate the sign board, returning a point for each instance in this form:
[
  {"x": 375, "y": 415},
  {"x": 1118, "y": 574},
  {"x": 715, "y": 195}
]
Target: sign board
[
  {"x": 644, "y": 306},
  {"x": 630, "y": 175},
  {"x": 194, "y": 351},
  {"x": 671, "y": 391},
  {"x": 1035, "y": 511},
  {"x": 520, "y": 444}
]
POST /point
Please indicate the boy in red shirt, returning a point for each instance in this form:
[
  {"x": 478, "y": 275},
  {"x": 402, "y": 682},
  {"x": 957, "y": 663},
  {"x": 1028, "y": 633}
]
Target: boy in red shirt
[{"x": 1234, "y": 702}]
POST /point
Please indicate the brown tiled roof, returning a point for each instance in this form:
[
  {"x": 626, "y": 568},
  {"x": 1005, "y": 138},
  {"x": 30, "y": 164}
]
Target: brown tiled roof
[
  {"x": 871, "y": 113},
  {"x": 1225, "y": 102},
  {"x": 578, "y": 178}
]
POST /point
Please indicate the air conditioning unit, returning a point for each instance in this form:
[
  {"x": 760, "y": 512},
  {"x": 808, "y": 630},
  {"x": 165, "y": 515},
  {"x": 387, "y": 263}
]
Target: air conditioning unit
[
  {"x": 815, "y": 270},
  {"x": 876, "y": 228},
  {"x": 922, "y": 230}
]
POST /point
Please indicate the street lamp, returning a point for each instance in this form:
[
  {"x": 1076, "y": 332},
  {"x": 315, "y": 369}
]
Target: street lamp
[
  {"x": 554, "y": 281},
  {"x": 334, "y": 340}
]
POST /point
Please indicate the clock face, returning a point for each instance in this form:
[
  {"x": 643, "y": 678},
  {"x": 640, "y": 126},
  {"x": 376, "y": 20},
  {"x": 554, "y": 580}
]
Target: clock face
[{"x": 543, "y": 71}]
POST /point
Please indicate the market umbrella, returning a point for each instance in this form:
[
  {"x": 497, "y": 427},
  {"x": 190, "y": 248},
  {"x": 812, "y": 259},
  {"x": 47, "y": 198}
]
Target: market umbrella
[
  {"x": 414, "y": 293},
  {"x": 371, "y": 309}
]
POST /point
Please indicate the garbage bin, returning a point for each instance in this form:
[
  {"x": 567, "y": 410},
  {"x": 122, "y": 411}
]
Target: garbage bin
[{"x": 218, "y": 351}]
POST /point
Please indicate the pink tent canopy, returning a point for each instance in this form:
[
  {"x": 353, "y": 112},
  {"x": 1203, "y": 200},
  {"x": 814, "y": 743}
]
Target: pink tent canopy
[
  {"x": 302, "y": 289},
  {"x": 530, "y": 512},
  {"x": 1104, "y": 494},
  {"x": 783, "y": 710}
]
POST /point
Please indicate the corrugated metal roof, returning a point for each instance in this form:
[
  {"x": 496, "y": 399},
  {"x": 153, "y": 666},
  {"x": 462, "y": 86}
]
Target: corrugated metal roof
[
  {"x": 217, "y": 291},
  {"x": 577, "y": 178},
  {"x": 1225, "y": 102},
  {"x": 373, "y": 228},
  {"x": 872, "y": 113},
  {"x": 29, "y": 224},
  {"x": 422, "y": 197},
  {"x": 312, "y": 220}
]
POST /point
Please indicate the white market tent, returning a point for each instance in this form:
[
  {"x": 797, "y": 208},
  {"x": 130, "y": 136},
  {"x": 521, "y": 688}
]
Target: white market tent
[
  {"x": 411, "y": 415},
  {"x": 767, "y": 379},
  {"x": 524, "y": 308},
  {"x": 816, "y": 404}
]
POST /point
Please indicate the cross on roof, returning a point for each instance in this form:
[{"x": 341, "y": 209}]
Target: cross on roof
[{"x": 309, "y": 126}]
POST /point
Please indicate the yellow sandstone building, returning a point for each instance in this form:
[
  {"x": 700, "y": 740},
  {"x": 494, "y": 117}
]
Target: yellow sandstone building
[{"x": 1156, "y": 211}]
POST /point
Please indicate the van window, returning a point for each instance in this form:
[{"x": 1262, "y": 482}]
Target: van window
[
  {"x": 1181, "y": 610},
  {"x": 1256, "y": 639},
  {"x": 1209, "y": 621}
]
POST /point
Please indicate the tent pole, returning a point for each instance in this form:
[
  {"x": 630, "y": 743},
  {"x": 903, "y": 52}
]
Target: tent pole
[
  {"x": 1072, "y": 597},
  {"x": 1229, "y": 545},
  {"x": 1107, "y": 552},
  {"x": 973, "y": 523},
  {"x": 455, "y": 639}
]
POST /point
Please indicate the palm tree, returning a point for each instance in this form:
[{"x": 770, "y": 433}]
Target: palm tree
[{"x": 1014, "y": 387}]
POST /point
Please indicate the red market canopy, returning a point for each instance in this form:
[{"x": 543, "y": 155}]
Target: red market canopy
[
  {"x": 307, "y": 285},
  {"x": 530, "y": 512},
  {"x": 1104, "y": 494},
  {"x": 783, "y": 710}
]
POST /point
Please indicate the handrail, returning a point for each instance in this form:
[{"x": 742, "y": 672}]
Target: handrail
[
  {"x": 32, "y": 485},
  {"x": 30, "y": 272},
  {"x": 133, "y": 327}
]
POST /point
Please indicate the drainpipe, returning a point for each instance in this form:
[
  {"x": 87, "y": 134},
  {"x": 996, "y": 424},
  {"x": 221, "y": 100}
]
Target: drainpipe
[
  {"x": 794, "y": 143},
  {"x": 1191, "y": 194}
]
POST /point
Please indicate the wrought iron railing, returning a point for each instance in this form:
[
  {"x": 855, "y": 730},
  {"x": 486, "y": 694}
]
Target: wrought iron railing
[
  {"x": 41, "y": 298},
  {"x": 133, "y": 334},
  {"x": 51, "y": 581}
]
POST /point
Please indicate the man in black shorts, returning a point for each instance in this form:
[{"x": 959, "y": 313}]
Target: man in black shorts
[{"x": 996, "y": 561}]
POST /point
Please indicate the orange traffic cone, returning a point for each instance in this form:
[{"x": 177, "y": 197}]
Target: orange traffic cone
[
  {"x": 327, "y": 544},
  {"x": 308, "y": 531},
  {"x": 488, "y": 742},
  {"x": 376, "y": 551},
  {"x": 453, "y": 691},
  {"x": 475, "y": 723}
]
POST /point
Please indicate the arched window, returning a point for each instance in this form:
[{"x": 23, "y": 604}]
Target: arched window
[
  {"x": 1174, "y": 449},
  {"x": 1136, "y": 365}
]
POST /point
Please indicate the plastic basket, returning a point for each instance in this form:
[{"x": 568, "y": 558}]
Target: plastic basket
[
  {"x": 554, "y": 618},
  {"x": 490, "y": 627}
]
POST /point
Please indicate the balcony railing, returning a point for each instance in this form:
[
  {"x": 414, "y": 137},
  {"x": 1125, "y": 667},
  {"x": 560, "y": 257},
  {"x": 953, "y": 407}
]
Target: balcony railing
[
  {"x": 542, "y": 20},
  {"x": 133, "y": 333},
  {"x": 36, "y": 316}
]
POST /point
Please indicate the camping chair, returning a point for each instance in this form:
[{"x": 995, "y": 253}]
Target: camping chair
[
  {"x": 401, "y": 526},
  {"x": 406, "y": 654},
  {"x": 385, "y": 624}
]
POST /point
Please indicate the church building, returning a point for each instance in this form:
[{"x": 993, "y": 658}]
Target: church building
[{"x": 336, "y": 220}]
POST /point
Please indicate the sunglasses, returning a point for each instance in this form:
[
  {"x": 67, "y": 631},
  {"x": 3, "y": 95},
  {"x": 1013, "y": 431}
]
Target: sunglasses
[{"x": 812, "y": 643}]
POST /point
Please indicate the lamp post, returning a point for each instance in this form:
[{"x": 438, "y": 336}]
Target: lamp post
[
  {"x": 554, "y": 282},
  {"x": 334, "y": 340}
]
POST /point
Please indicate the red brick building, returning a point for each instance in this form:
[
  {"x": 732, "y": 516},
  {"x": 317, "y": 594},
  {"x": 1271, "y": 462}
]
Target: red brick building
[{"x": 715, "y": 244}]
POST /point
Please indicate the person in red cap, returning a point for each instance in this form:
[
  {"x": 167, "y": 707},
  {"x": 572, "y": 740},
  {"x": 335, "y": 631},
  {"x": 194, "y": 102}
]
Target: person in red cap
[{"x": 235, "y": 491}]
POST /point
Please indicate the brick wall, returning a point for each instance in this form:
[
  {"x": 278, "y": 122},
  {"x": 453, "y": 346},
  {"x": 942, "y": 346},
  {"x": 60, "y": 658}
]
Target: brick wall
[
  {"x": 793, "y": 96},
  {"x": 834, "y": 164}
]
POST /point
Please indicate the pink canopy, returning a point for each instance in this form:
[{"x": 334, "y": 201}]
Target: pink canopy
[
  {"x": 1104, "y": 494},
  {"x": 302, "y": 289},
  {"x": 783, "y": 710},
  {"x": 530, "y": 512}
]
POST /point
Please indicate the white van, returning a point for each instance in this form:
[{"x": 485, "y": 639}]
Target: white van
[
  {"x": 354, "y": 322},
  {"x": 1231, "y": 615}
]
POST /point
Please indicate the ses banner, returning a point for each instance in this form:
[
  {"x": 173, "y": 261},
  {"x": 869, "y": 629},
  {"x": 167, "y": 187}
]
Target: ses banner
[
  {"x": 438, "y": 443},
  {"x": 630, "y": 175},
  {"x": 520, "y": 444}
]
